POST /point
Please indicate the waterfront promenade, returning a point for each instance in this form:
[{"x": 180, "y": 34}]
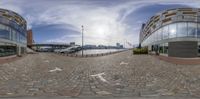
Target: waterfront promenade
[{"x": 120, "y": 74}]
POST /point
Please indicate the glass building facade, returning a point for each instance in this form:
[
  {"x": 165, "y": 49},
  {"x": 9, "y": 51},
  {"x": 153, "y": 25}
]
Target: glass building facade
[
  {"x": 171, "y": 26},
  {"x": 12, "y": 33},
  {"x": 175, "y": 30}
]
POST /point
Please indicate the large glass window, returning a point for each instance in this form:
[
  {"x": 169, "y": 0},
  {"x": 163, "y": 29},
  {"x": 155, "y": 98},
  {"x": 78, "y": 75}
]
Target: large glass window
[
  {"x": 198, "y": 30},
  {"x": 4, "y": 32},
  {"x": 181, "y": 29},
  {"x": 161, "y": 48},
  {"x": 172, "y": 30},
  {"x": 154, "y": 36},
  {"x": 7, "y": 50},
  {"x": 160, "y": 34},
  {"x": 165, "y": 32},
  {"x": 192, "y": 29},
  {"x": 165, "y": 48}
]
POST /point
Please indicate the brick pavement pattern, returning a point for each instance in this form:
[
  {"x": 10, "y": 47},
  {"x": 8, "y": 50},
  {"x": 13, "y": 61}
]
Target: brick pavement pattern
[{"x": 121, "y": 74}]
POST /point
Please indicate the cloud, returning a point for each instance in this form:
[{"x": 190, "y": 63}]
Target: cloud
[{"x": 104, "y": 20}]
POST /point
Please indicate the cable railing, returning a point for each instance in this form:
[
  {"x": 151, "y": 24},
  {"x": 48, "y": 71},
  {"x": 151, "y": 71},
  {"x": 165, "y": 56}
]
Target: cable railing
[{"x": 91, "y": 55}]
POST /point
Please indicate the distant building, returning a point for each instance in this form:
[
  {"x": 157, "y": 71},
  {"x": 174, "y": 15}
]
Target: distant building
[
  {"x": 30, "y": 38},
  {"x": 72, "y": 43},
  {"x": 90, "y": 46},
  {"x": 102, "y": 46},
  {"x": 118, "y": 45}
]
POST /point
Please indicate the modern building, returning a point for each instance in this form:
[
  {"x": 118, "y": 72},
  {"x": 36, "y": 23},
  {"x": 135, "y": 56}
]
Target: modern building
[
  {"x": 173, "y": 32},
  {"x": 12, "y": 33}
]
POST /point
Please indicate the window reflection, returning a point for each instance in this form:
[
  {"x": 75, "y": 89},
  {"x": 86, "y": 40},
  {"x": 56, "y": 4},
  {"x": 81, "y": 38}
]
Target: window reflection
[
  {"x": 172, "y": 30},
  {"x": 165, "y": 32},
  {"x": 181, "y": 29},
  {"x": 198, "y": 30},
  {"x": 192, "y": 29},
  {"x": 160, "y": 34},
  {"x": 8, "y": 33}
]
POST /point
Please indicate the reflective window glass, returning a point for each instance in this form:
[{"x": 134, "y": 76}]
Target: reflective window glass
[
  {"x": 156, "y": 35},
  {"x": 165, "y": 32},
  {"x": 198, "y": 30},
  {"x": 192, "y": 28},
  {"x": 159, "y": 34},
  {"x": 4, "y": 32},
  {"x": 172, "y": 30},
  {"x": 181, "y": 29}
]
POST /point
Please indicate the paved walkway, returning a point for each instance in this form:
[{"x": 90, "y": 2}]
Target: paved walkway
[
  {"x": 182, "y": 61},
  {"x": 64, "y": 97},
  {"x": 117, "y": 75},
  {"x": 9, "y": 59}
]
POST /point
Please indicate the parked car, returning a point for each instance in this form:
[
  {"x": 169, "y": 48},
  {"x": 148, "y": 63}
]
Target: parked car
[{"x": 57, "y": 50}]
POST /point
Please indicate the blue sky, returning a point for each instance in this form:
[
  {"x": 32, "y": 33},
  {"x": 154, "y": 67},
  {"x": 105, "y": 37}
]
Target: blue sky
[{"x": 105, "y": 21}]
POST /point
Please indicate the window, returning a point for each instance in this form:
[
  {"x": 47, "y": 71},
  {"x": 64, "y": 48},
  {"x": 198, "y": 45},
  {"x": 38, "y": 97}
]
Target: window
[
  {"x": 192, "y": 29},
  {"x": 160, "y": 34},
  {"x": 165, "y": 48},
  {"x": 161, "y": 48},
  {"x": 7, "y": 50},
  {"x": 181, "y": 29},
  {"x": 198, "y": 30},
  {"x": 165, "y": 32},
  {"x": 153, "y": 37},
  {"x": 4, "y": 33},
  {"x": 172, "y": 30},
  {"x": 14, "y": 35}
]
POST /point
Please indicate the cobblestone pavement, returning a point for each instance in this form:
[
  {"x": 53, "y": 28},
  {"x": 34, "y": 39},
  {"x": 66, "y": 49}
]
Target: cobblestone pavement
[{"x": 121, "y": 74}]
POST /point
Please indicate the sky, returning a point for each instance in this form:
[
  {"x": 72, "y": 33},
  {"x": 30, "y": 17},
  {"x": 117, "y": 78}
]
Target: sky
[{"x": 105, "y": 21}]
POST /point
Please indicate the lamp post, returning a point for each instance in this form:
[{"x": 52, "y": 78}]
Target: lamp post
[{"x": 82, "y": 39}]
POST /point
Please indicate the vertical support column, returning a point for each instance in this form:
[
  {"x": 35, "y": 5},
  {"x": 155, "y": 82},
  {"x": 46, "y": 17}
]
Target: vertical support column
[{"x": 18, "y": 51}]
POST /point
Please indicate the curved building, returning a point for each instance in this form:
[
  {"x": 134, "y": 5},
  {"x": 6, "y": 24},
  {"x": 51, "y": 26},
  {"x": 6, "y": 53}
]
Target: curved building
[
  {"x": 12, "y": 33},
  {"x": 174, "y": 32}
]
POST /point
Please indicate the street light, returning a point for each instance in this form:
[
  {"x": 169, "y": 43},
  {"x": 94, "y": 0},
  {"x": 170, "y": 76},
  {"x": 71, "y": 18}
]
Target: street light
[{"x": 82, "y": 39}]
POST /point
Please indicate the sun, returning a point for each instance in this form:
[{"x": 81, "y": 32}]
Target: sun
[{"x": 101, "y": 30}]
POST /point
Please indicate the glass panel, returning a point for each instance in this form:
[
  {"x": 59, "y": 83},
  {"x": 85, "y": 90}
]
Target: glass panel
[
  {"x": 160, "y": 48},
  {"x": 153, "y": 37},
  {"x": 192, "y": 29},
  {"x": 198, "y": 30},
  {"x": 172, "y": 30},
  {"x": 181, "y": 29},
  {"x": 156, "y": 36},
  {"x": 7, "y": 50},
  {"x": 165, "y": 48},
  {"x": 14, "y": 35},
  {"x": 160, "y": 34},
  {"x": 165, "y": 32},
  {"x": 4, "y": 32}
]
